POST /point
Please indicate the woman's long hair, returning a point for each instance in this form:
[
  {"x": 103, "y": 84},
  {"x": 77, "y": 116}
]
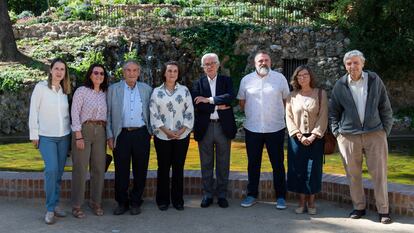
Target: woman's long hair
[{"x": 65, "y": 83}]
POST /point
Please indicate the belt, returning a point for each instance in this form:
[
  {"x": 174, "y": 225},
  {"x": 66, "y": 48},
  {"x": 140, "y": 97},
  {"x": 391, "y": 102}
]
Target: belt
[
  {"x": 132, "y": 128},
  {"x": 214, "y": 120},
  {"x": 103, "y": 123}
]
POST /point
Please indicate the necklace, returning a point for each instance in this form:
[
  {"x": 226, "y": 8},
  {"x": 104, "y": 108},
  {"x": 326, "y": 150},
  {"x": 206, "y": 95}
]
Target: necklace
[{"x": 169, "y": 91}]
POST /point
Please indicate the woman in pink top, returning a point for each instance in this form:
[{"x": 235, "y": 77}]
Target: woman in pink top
[{"x": 89, "y": 140}]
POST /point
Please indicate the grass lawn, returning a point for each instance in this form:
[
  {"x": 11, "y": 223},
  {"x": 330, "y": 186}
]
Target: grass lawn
[{"x": 23, "y": 157}]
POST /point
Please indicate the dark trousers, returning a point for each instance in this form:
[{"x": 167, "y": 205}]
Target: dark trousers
[
  {"x": 274, "y": 145},
  {"x": 170, "y": 154},
  {"x": 215, "y": 147},
  {"x": 133, "y": 145},
  {"x": 305, "y": 166}
]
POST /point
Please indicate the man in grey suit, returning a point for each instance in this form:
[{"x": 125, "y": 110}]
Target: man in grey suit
[{"x": 128, "y": 133}]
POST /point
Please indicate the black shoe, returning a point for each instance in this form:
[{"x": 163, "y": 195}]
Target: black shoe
[
  {"x": 385, "y": 218},
  {"x": 179, "y": 206},
  {"x": 356, "y": 214},
  {"x": 135, "y": 210},
  {"x": 163, "y": 207},
  {"x": 223, "y": 203},
  {"x": 120, "y": 209},
  {"x": 206, "y": 202}
]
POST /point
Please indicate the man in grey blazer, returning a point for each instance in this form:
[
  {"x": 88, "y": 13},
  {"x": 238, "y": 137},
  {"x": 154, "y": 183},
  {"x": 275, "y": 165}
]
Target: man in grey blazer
[{"x": 128, "y": 135}]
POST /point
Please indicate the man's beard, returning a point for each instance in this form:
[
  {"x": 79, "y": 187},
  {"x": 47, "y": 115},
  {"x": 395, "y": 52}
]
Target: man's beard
[{"x": 263, "y": 71}]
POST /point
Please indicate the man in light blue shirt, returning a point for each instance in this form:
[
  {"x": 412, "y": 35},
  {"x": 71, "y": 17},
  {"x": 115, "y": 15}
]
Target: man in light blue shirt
[{"x": 128, "y": 132}]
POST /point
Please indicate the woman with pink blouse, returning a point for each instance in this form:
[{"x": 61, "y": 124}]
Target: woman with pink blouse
[{"x": 88, "y": 113}]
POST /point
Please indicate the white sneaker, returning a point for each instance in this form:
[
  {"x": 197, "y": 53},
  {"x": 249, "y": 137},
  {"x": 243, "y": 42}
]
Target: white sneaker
[
  {"x": 50, "y": 217},
  {"x": 60, "y": 212}
]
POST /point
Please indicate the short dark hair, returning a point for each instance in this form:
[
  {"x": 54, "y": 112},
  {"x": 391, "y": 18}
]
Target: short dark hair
[
  {"x": 295, "y": 83},
  {"x": 261, "y": 52},
  {"x": 88, "y": 81},
  {"x": 164, "y": 69}
]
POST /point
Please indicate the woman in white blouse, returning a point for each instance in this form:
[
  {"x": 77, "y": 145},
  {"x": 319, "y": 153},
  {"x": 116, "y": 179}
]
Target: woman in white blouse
[
  {"x": 172, "y": 119},
  {"x": 306, "y": 121},
  {"x": 88, "y": 113},
  {"x": 49, "y": 126}
]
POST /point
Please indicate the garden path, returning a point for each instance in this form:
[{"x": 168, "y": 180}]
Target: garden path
[{"x": 26, "y": 215}]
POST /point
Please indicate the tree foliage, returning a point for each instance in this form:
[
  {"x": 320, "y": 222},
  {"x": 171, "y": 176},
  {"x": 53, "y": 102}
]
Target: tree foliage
[
  {"x": 37, "y": 7},
  {"x": 384, "y": 31}
]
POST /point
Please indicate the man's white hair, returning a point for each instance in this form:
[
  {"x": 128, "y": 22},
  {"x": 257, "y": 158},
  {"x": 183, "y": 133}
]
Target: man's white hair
[
  {"x": 205, "y": 56},
  {"x": 354, "y": 53}
]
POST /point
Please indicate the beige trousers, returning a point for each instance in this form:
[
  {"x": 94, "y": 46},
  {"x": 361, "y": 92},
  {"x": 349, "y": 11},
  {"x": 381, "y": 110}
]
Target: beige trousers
[
  {"x": 93, "y": 156},
  {"x": 375, "y": 148}
]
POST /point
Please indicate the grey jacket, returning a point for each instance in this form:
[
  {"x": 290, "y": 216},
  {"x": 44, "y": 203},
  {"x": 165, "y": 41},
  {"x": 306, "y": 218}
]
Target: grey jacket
[
  {"x": 343, "y": 114},
  {"x": 115, "y": 99}
]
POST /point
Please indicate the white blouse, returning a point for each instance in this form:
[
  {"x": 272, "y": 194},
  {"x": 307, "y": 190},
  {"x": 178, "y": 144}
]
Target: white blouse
[
  {"x": 49, "y": 112},
  {"x": 171, "y": 110}
]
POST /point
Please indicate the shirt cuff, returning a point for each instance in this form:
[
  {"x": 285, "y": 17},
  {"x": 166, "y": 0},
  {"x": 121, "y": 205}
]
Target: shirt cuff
[
  {"x": 211, "y": 100},
  {"x": 34, "y": 134},
  {"x": 76, "y": 128}
]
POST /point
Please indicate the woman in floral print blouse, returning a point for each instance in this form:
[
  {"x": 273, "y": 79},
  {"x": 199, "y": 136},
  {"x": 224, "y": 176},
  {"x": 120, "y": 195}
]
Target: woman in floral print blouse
[{"x": 172, "y": 119}]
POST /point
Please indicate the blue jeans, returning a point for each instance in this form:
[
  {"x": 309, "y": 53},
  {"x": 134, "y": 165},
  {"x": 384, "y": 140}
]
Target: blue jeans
[{"x": 54, "y": 151}]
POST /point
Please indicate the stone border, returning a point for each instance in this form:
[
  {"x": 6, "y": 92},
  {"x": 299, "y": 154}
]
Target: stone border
[{"x": 16, "y": 185}]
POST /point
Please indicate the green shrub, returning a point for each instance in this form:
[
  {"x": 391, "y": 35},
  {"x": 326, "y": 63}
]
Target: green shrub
[
  {"x": 383, "y": 31},
  {"x": 219, "y": 38},
  {"x": 13, "y": 17},
  {"x": 81, "y": 66},
  {"x": 182, "y": 3},
  {"x": 193, "y": 11},
  {"x": 14, "y": 77},
  {"x": 404, "y": 113},
  {"x": 76, "y": 10},
  {"x": 25, "y": 14},
  {"x": 165, "y": 12},
  {"x": 37, "y": 7}
]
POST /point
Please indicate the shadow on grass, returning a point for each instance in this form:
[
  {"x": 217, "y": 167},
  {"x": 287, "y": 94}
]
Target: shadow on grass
[{"x": 32, "y": 63}]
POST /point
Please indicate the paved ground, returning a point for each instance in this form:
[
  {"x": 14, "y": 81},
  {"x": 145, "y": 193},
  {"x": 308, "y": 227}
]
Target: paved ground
[{"x": 27, "y": 216}]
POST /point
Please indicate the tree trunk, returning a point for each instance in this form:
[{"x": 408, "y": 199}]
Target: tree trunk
[{"x": 8, "y": 47}]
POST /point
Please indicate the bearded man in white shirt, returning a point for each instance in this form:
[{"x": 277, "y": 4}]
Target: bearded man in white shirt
[{"x": 262, "y": 95}]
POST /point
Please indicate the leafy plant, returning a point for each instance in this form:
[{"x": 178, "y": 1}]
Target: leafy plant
[
  {"x": 406, "y": 114},
  {"x": 165, "y": 12},
  {"x": 14, "y": 77},
  {"x": 25, "y": 14},
  {"x": 217, "y": 37},
  {"x": 384, "y": 32},
  {"x": 13, "y": 17},
  {"x": 81, "y": 67}
]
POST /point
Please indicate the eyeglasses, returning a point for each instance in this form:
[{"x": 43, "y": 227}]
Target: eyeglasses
[
  {"x": 98, "y": 73},
  {"x": 302, "y": 76},
  {"x": 209, "y": 64}
]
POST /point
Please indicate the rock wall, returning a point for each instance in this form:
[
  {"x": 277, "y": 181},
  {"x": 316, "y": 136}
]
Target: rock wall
[
  {"x": 14, "y": 111},
  {"x": 323, "y": 48}
]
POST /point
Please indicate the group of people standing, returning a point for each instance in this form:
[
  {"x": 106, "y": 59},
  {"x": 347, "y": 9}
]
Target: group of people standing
[{"x": 123, "y": 116}]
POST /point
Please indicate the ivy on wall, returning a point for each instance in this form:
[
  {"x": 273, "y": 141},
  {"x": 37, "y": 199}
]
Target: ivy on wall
[{"x": 219, "y": 38}]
